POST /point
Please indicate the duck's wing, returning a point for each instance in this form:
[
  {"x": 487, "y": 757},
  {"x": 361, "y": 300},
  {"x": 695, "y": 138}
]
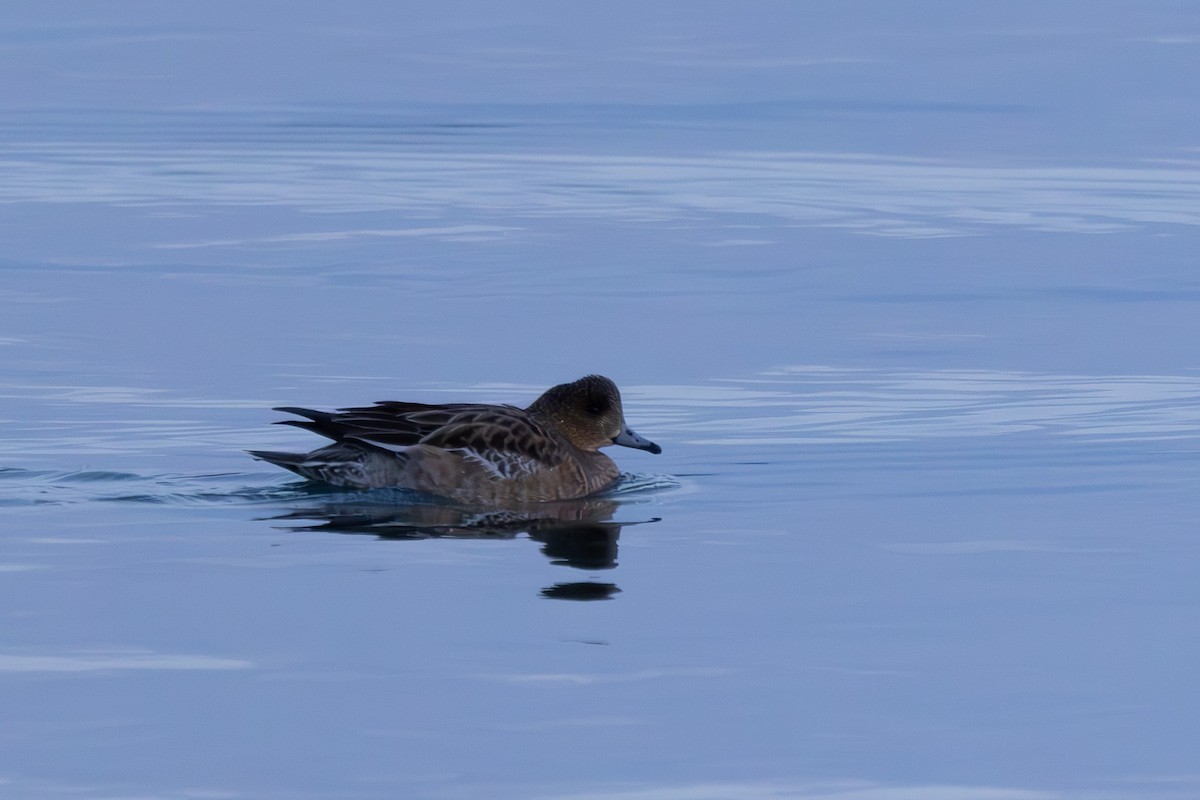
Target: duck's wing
[
  {"x": 505, "y": 439},
  {"x": 401, "y": 423}
]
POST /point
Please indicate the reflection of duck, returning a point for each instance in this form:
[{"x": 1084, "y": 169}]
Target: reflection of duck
[
  {"x": 577, "y": 533},
  {"x": 470, "y": 453},
  {"x": 580, "y": 590}
]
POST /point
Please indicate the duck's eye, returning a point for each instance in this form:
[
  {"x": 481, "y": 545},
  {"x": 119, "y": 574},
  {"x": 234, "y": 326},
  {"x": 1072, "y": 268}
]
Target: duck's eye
[{"x": 596, "y": 407}]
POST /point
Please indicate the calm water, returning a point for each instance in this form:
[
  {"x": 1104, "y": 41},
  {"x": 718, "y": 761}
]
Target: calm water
[{"x": 908, "y": 295}]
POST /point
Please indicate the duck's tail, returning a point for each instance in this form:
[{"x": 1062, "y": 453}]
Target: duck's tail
[
  {"x": 296, "y": 462},
  {"x": 337, "y": 465}
]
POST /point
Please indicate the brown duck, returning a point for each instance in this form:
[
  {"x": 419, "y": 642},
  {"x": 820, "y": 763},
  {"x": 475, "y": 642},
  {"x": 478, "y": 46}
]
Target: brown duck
[{"x": 472, "y": 453}]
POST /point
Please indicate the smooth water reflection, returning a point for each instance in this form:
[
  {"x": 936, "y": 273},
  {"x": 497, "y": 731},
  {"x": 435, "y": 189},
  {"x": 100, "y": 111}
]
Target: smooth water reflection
[{"x": 577, "y": 534}]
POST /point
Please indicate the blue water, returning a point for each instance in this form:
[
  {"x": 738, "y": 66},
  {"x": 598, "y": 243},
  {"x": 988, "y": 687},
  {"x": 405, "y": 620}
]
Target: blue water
[{"x": 907, "y": 292}]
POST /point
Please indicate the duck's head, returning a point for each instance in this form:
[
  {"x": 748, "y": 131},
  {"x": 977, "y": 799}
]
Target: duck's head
[{"x": 588, "y": 413}]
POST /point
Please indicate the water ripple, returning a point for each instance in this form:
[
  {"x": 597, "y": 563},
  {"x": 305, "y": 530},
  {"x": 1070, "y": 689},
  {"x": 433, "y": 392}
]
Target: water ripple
[
  {"x": 786, "y": 407},
  {"x": 113, "y": 660},
  {"x": 862, "y": 193},
  {"x": 802, "y": 405}
]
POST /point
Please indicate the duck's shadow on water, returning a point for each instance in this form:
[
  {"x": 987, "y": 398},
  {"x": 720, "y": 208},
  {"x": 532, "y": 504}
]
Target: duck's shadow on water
[{"x": 579, "y": 534}]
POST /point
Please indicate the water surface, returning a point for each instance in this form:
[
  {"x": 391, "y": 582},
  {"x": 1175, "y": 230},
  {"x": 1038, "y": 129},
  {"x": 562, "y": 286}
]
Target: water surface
[{"x": 909, "y": 299}]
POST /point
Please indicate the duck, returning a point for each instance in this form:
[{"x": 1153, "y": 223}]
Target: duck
[{"x": 472, "y": 453}]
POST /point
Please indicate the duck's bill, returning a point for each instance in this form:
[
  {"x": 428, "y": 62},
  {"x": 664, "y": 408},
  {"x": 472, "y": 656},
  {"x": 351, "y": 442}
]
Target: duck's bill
[{"x": 628, "y": 438}]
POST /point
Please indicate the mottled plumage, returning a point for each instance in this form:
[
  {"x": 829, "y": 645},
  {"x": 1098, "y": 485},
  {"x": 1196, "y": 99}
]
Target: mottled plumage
[{"x": 472, "y": 453}]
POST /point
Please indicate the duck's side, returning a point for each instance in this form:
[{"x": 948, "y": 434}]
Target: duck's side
[
  {"x": 462, "y": 477},
  {"x": 462, "y": 474},
  {"x": 472, "y": 453}
]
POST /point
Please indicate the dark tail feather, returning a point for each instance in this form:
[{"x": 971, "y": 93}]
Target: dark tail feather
[
  {"x": 319, "y": 422},
  {"x": 307, "y": 413},
  {"x": 292, "y": 461},
  {"x": 315, "y": 426}
]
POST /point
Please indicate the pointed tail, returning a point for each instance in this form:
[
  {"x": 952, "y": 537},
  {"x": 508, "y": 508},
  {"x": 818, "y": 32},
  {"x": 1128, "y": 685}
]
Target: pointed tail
[{"x": 292, "y": 461}]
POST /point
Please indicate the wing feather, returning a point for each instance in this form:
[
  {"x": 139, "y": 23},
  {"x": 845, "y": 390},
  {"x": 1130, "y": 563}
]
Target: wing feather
[
  {"x": 503, "y": 438},
  {"x": 397, "y": 423}
]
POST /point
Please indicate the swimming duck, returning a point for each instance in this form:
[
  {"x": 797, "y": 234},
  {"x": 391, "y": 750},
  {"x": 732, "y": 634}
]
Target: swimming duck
[{"x": 472, "y": 453}]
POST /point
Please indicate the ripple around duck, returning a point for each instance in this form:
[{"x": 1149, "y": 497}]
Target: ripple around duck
[
  {"x": 921, "y": 416},
  {"x": 94, "y": 476},
  {"x": 638, "y": 483},
  {"x": 50, "y": 487},
  {"x": 25, "y": 487}
]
